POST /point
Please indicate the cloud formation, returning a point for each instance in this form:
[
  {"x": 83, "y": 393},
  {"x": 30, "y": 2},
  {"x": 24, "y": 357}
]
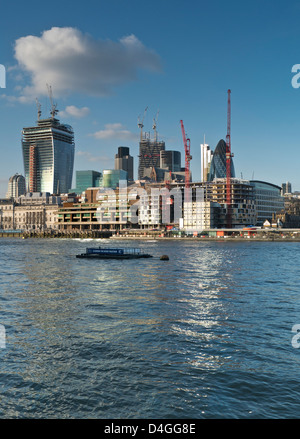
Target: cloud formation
[
  {"x": 115, "y": 131},
  {"x": 71, "y": 61},
  {"x": 73, "y": 111}
]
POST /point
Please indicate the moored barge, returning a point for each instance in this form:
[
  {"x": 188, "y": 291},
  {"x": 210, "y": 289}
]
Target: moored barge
[{"x": 113, "y": 253}]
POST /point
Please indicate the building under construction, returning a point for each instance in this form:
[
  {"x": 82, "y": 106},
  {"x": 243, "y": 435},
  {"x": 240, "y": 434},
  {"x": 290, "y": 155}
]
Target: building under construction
[
  {"x": 149, "y": 155},
  {"x": 48, "y": 154}
]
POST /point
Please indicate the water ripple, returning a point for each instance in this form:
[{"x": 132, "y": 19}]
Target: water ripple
[{"x": 206, "y": 334}]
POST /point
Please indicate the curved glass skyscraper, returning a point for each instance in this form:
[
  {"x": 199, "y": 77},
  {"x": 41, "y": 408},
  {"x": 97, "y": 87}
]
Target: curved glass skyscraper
[
  {"x": 218, "y": 163},
  {"x": 48, "y": 154}
]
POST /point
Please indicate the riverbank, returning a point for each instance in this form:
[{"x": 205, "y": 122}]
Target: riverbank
[
  {"x": 193, "y": 238},
  {"x": 282, "y": 235}
]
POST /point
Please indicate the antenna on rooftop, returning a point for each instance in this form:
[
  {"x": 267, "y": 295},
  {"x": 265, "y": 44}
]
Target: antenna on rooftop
[{"x": 54, "y": 110}]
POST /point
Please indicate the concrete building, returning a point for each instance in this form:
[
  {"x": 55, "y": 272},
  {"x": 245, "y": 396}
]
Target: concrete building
[
  {"x": 16, "y": 186},
  {"x": 161, "y": 175},
  {"x": 209, "y": 208},
  {"x": 149, "y": 155},
  {"x": 36, "y": 217},
  {"x": 103, "y": 209},
  {"x": 7, "y": 215},
  {"x": 243, "y": 203},
  {"x": 286, "y": 188},
  {"x": 30, "y": 212},
  {"x": 206, "y": 158},
  {"x": 200, "y": 215},
  {"x": 37, "y": 198},
  {"x": 150, "y": 212}
]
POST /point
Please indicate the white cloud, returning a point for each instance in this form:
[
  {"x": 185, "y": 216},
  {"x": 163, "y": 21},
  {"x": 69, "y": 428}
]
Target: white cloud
[
  {"x": 115, "y": 131},
  {"x": 73, "y": 111},
  {"x": 71, "y": 61}
]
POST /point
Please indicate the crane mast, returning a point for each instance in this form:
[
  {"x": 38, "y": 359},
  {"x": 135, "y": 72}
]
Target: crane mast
[
  {"x": 188, "y": 157},
  {"x": 228, "y": 162},
  {"x": 54, "y": 110},
  {"x": 141, "y": 123}
]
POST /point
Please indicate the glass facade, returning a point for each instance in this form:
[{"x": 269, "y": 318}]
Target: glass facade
[
  {"x": 123, "y": 160},
  {"x": 112, "y": 177},
  {"x": 149, "y": 155},
  {"x": 48, "y": 155},
  {"x": 16, "y": 186},
  {"x": 85, "y": 180},
  {"x": 170, "y": 160},
  {"x": 268, "y": 200},
  {"x": 218, "y": 163}
]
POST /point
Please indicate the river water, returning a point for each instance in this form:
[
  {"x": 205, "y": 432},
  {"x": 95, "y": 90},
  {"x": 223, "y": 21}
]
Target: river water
[{"x": 207, "y": 334}]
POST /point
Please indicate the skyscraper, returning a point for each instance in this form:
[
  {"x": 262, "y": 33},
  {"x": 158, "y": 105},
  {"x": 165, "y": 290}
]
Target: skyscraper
[
  {"x": 16, "y": 186},
  {"x": 48, "y": 155},
  {"x": 170, "y": 160},
  {"x": 149, "y": 155},
  {"x": 124, "y": 161},
  {"x": 86, "y": 179},
  {"x": 206, "y": 158},
  {"x": 218, "y": 163},
  {"x": 286, "y": 188}
]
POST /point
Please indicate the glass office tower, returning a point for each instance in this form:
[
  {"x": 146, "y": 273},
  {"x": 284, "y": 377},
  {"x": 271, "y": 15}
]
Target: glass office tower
[
  {"x": 85, "y": 180},
  {"x": 48, "y": 155},
  {"x": 218, "y": 163}
]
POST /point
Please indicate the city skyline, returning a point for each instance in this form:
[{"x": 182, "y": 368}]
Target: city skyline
[{"x": 179, "y": 59}]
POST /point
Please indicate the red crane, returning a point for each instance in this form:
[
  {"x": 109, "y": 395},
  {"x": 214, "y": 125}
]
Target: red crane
[
  {"x": 188, "y": 157},
  {"x": 228, "y": 163}
]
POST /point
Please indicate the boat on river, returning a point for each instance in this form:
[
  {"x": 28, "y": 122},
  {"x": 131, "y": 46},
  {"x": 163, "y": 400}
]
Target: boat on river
[{"x": 113, "y": 253}]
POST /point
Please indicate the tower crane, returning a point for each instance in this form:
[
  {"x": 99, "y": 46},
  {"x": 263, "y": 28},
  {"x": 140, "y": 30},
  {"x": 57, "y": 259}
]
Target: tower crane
[
  {"x": 141, "y": 123},
  {"x": 154, "y": 126},
  {"x": 228, "y": 162},
  {"x": 54, "y": 110},
  {"x": 188, "y": 157},
  {"x": 39, "y": 111}
]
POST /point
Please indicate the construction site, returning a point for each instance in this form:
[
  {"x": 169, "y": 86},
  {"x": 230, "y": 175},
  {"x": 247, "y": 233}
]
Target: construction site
[{"x": 164, "y": 201}]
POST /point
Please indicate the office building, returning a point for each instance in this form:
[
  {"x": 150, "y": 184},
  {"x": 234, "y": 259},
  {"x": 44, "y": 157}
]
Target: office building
[
  {"x": 16, "y": 186},
  {"x": 170, "y": 160},
  {"x": 112, "y": 177},
  {"x": 124, "y": 161},
  {"x": 149, "y": 155},
  {"x": 200, "y": 215},
  {"x": 48, "y": 155},
  {"x": 85, "y": 180},
  {"x": 268, "y": 200},
  {"x": 33, "y": 211},
  {"x": 218, "y": 163},
  {"x": 286, "y": 188},
  {"x": 206, "y": 158}
]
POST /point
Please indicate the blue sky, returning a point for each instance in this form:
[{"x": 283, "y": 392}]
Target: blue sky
[{"x": 108, "y": 60}]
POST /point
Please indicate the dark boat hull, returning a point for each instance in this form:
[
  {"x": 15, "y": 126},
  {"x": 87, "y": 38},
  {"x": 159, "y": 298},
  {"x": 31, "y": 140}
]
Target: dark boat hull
[{"x": 112, "y": 256}]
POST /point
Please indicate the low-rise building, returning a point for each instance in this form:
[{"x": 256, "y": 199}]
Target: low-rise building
[{"x": 33, "y": 211}]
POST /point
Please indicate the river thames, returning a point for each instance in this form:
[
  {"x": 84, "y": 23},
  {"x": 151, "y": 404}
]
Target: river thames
[{"x": 207, "y": 334}]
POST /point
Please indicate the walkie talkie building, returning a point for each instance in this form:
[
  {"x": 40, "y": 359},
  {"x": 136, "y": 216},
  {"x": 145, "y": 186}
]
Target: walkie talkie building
[{"x": 48, "y": 154}]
